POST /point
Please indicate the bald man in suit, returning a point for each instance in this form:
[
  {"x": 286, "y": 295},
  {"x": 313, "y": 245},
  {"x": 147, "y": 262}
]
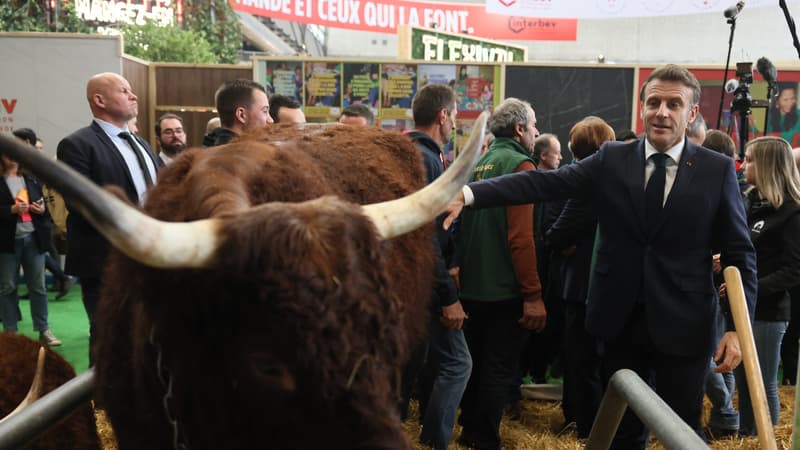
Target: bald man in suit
[{"x": 108, "y": 154}]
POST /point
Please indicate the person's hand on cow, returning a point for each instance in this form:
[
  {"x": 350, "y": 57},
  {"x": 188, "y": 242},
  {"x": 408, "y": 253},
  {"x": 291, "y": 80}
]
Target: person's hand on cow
[
  {"x": 453, "y": 210},
  {"x": 534, "y": 314},
  {"x": 453, "y": 316},
  {"x": 729, "y": 354}
]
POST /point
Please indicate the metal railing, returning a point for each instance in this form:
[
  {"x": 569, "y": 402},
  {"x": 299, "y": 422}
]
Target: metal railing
[
  {"x": 626, "y": 389},
  {"x": 42, "y": 414}
]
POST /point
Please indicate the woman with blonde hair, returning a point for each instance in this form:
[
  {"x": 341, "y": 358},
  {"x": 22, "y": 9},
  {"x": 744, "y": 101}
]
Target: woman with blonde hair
[
  {"x": 571, "y": 239},
  {"x": 773, "y": 215}
]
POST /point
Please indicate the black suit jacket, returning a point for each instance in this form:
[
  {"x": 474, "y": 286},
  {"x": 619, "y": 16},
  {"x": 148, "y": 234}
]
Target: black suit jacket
[
  {"x": 666, "y": 267},
  {"x": 575, "y": 226},
  {"x": 90, "y": 152}
]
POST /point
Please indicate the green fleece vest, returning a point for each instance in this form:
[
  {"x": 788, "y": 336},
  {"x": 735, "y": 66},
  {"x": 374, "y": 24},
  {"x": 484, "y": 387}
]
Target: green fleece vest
[{"x": 487, "y": 271}]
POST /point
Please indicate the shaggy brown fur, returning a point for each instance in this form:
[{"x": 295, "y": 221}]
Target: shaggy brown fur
[
  {"x": 18, "y": 356},
  {"x": 308, "y": 317}
]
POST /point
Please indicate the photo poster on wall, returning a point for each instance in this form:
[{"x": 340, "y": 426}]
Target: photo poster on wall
[
  {"x": 283, "y": 78},
  {"x": 562, "y": 96},
  {"x": 783, "y": 113},
  {"x": 323, "y": 96},
  {"x": 362, "y": 83},
  {"x": 398, "y": 87},
  {"x": 476, "y": 89}
]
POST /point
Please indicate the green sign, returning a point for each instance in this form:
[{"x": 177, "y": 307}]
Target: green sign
[{"x": 430, "y": 45}]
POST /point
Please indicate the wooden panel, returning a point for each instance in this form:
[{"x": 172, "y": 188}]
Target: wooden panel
[
  {"x": 194, "y": 85},
  {"x": 136, "y": 72}
]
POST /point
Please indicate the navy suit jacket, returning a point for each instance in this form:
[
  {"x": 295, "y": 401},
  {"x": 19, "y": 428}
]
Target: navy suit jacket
[
  {"x": 90, "y": 152},
  {"x": 666, "y": 267},
  {"x": 576, "y": 225}
]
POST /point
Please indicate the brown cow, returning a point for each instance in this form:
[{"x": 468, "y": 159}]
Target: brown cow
[
  {"x": 17, "y": 366},
  {"x": 277, "y": 312}
]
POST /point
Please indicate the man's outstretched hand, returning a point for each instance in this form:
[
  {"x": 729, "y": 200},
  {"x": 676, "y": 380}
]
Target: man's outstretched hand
[{"x": 453, "y": 210}]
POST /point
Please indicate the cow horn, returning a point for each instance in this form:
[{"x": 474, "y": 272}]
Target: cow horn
[
  {"x": 141, "y": 237},
  {"x": 406, "y": 214},
  {"x": 36, "y": 386}
]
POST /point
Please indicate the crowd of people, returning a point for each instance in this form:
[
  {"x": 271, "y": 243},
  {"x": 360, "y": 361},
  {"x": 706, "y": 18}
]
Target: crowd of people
[{"x": 611, "y": 261}]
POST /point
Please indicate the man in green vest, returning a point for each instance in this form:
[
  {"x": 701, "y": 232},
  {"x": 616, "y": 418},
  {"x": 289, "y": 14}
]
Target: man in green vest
[{"x": 500, "y": 288}]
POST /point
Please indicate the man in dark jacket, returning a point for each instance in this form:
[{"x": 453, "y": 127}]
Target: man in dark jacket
[
  {"x": 106, "y": 153},
  {"x": 448, "y": 367}
]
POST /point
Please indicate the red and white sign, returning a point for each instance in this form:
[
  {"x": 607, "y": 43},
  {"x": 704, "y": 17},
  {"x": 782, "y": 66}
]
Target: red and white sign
[{"x": 384, "y": 16}]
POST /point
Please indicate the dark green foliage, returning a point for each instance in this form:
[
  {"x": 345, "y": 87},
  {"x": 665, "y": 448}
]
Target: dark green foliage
[
  {"x": 30, "y": 15},
  {"x": 218, "y": 23},
  {"x": 156, "y": 43}
]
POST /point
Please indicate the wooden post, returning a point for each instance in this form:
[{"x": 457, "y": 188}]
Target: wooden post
[{"x": 755, "y": 383}]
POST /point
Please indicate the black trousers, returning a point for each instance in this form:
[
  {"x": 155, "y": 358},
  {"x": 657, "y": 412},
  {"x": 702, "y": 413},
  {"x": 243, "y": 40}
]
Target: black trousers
[
  {"x": 678, "y": 380},
  {"x": 90, "y": 292},
  {"x": 495, "y": 340},
  {"x": 583, "y": 383}
]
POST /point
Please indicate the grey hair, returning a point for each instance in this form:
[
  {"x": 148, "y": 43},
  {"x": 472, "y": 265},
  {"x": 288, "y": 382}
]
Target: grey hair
[{"x": 507, "y": 115}]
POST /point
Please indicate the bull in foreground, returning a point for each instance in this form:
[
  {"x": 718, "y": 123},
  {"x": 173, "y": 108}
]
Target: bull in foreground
[{"x": 257, "y": 303}]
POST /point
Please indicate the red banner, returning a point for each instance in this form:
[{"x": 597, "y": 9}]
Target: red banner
[{"x": 384, "y": 16}]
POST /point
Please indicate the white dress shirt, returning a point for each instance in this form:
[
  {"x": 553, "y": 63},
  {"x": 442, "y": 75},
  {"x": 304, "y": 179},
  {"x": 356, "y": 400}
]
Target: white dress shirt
[
  {"x": 674, "y": 154},
  {"x": 125, "y": 150}
]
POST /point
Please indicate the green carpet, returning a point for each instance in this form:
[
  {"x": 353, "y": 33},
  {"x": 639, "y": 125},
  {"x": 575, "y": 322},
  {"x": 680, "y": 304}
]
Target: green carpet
[{"x": 69, "y": 323}]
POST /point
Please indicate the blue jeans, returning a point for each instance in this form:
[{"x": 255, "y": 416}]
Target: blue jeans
[
  {"x": 768, "y": 337},
  {"x": 719, "y": 389},
  {"x": 26, "y": 253},
  {"x": 449, "y": 366}
]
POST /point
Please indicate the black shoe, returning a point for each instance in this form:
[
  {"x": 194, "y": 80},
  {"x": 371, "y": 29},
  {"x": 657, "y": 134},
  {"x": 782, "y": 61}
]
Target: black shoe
[
  {"x": 513, "y": 410},
  {"x": 714, "y": 433},
  {"x": 55, "y": 287},
  {"x": 66, "y": 285},
  {"x": 466, "y": 440}
]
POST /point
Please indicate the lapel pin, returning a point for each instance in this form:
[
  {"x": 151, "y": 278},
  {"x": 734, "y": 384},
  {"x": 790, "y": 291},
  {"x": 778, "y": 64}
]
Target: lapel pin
[{"x": 689, "y": 163}]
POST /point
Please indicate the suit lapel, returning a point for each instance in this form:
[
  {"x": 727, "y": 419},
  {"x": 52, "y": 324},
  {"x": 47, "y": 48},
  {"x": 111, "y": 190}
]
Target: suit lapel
[
  {"x": 683, "y": 180},
  {"x": 114, "y": 153},
  {"x": 635, "y": 167},
  {"x": 146, "y": 147}
]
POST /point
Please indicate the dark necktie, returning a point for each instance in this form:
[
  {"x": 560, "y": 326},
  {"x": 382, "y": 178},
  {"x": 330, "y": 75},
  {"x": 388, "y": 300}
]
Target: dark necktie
[
  {"x": 654, "y": 192},
  {"x": 139, "y": 157}
]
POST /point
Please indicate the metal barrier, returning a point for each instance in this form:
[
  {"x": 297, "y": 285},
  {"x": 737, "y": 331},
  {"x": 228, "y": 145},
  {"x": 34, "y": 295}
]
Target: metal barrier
[
  {"x": 626, "y": 389},
  {"x": 34, "y": 420}
]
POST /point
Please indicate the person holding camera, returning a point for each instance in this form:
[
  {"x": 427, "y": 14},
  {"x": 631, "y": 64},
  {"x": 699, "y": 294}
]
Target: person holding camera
[{"x": 24, "y": 239}]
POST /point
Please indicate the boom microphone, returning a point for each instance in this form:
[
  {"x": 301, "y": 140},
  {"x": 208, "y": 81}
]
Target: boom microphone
[
  {"x": 734, "y": 10},
  {"x": 767, "y": 70}
]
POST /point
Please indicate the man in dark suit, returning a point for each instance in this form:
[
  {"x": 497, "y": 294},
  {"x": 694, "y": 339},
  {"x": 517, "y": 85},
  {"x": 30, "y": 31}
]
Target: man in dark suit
[
  {"x": 665, "y": 206},
  {"x": 106, "y": 153}
]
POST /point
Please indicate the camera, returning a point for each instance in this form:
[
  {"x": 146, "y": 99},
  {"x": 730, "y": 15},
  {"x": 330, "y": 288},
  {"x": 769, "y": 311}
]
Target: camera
[{"x": 742, "y": 100}]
